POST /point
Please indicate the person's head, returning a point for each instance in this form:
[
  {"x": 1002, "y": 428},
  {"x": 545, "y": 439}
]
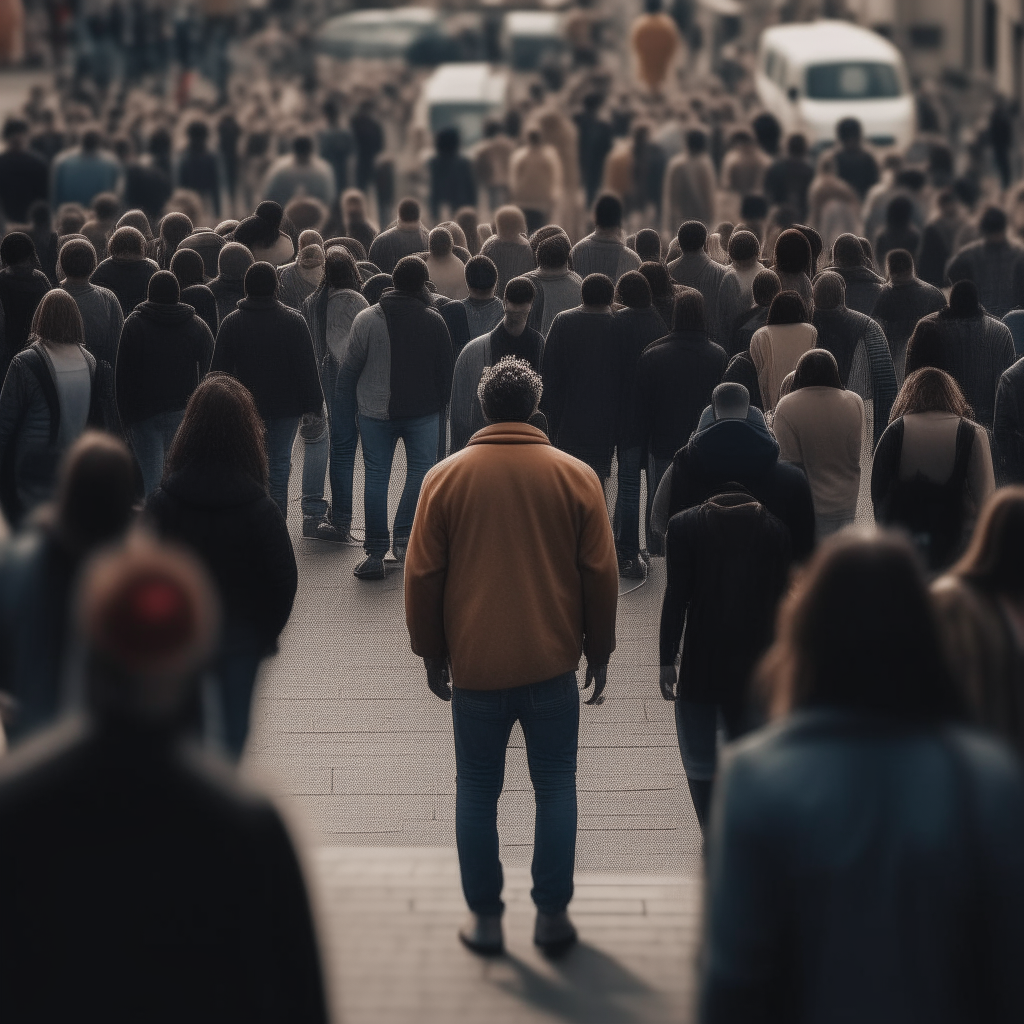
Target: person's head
[
  {"x": 963, "y": 300},
  {"x": 787, "y": 308},
  {"x": 70, "y": 218},
  {"x": 148, "y": 618},
  {"x": 481, "y": 276},
  {"x": 302, "y": 148},
  {"x": 930, "y": 390},
  {"x": 993, "y": 225},
  {"x": 948, "y": 204},
  {"x": 39, "y": 216},
  {"x": 849, "y": 132},
  {"x": 16, "y": 132},
  {"x": 187, "y": 267},
  {"x": 744, "y": 248},
  {"x": 657, "y": 276},
  {"x": 260, "y": 281},
  {"x": 509, "y": 391},
  {"x": 136, "y": 219},
  {"x": 899, "y": 265},
  {"x": 91, "y": 141},
  {"x": 898, "y": 213},
  {"x": 857, "y": 632},
  {"x": 696, "y": 142},
  {"x": 553, "y": 253},
  {"x": 174, "y": 229},
  {"x": 765, "y": 286},
  {"x": 768, "y": 131},
  {"x": 692, "y": 236},
  {"x": 829, "y": 291},
  {"x": 796, "y": 146},
  {"x": 753, "y": 211},
  {"x": 633, "y": 290},
  {"x": 492, "y": 128},
  {"x": 233, "y": 261},
  {"x": 847, "y": 252},
  {"x": 198, "y": 132},
  {"x": 608, "y": 212},
  {"x": 127, "y": 244},
  {"x": 446, "y": 142},
  {"x": 647, "y": 245},
  {"x": 688, "y": 311},
  {"x": 105, "y": 207},
  {"x": 159, "y": 144},
  {"x": 817, "y": 368},
  {"x": 792, "y": 253},
  {"x": 76, "y": 260},
  {"x": 926, "y": 347},
  {"x": 509, "y": 223},
  {"x": 597, "y": 291},
  {"x": 440, "y": 243},
  {"x": 305, "y": 212},
  {"x": 17, "y": 248},
  {"x": 410, "y": 275},
  {"x": 341, "y": 270},
  {"x": 409, "y": 212},
  {"x": 95, "y": 491},
  {"x": 376, "y": 286},
  {"x": 226, "y": 227},
  {"x": 57, "y": 319},
  {"x": 163, "y": 288},
  {"x": 994, "y": 559},
  {"x": 534, "y": 138},
  {"x": 310, "y": 237},
  {"x": 728, "y": 402},
  {"x": 466, "y": 221}
]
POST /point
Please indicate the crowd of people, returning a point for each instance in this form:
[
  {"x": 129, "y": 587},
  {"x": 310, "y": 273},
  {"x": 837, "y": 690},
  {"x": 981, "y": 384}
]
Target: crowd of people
[{"x": 583, "y": 309}]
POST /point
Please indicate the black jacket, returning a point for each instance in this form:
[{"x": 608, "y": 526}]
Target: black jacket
[
  {"x": 238, "y": 531},
  {"x": 1008, "y": 427},
  {"x": 21, "y": 290},
  {"x": 202, "y": 300},
  {"x": 268, "y": 347},
  {"x": 674, "y": 381},
  {"x": 147, "y": 877},
  {"x": 897, "y": 310},
  {"x": 164, "y": 353},
  {"x": 640, "y": 328},
  {"x": 863, "y": 286},
  {"x": 127, "y": 279},
  {"x": 228, "y": 291},
  {"x": 24, "y": 178}
]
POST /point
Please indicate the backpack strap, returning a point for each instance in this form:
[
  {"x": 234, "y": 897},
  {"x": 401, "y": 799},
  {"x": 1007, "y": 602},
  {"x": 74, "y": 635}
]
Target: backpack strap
[
  {"x": 964, "y": 447},
  {"x": 37, "y": 364}
]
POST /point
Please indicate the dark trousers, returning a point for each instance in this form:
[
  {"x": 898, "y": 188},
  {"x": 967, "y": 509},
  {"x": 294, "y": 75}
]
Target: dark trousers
[
  {"x": 549, "y": 713},
  {"x": 656, "y": 469},
  {"x": 344, "y": 439},
  {"x": 627, "y": 505}
]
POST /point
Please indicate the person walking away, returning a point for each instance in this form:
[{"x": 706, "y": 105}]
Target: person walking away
[
  {"x": 789, "y": 177},
  {"x": 22, "y": 287},
  {"x": 44, "y": 238},
  {"x": 173, "y": 229},
  {"x": 199, "y": 169},
  {"x": 932, "y": 470},
  {"x": 854, "y": 164},
  {"x": 819, "y": 427},
  {"x": 535, "y": 180},
  {"x": 187, "y": 267},
  {"x": 1000, "y": 137},
  {"x": 509, "y": 248},
  {"x": 603, "y": 251},
  {"x": 47, "y": 399},
  {"x": 511, "y": 337},
  {"x": 268, "y": 348},
  {"x": 763, "y": 289},
  {"x": 447, "y": 272},
  {"x": 81, "y": 173},
  {"x": 994, "y": 264},
  {"x": 867, "y": 752},
  {"x": 102, "y": 320},
  {"x": 174, "y": 852},
  {"x": 397, "y": 373},
  {"x": 555, "y": 561},
  {"x": 744, "y": 166},
  {"x": 263, "y": 236},
  {"x": 744, "y": 266},
  {"x": 369, "y": 138},
  {"x": 492, "y": 159},
  {"x": 39, "y": 571},
  {"x": 727, "y": 561},
  {"x": 863, "y": 285},
  {"x": 899, "y": 232},
  {"x": 127, "y": 271},
  {"x": 939, "y": 239},
  {"x": 690, "y": 184},
  {"x": 833, "y": 206},
  {"x": 696, "y": 269},
  {"x": 406, "y": 238},
  {"x": 557, "y": 287},
  {"x": 663, "y": 291},
  {"x": 336, "y": 145},
  {"x": 228, "y": 286},
  {"x": 484, "y": 309},
  {"x": 654, "y": 40},
  {"x": 595, "y": 142},
  {"x": 164, "y": 352},
  {"x": 776, "y": 347},
  {"x": 300, "y": 279},
  {"x": 24, "y": 175},
  {"x": 214, "y": 500},
  {"x": 300, "y": 172},
  {"x": 452, "y": 182}
]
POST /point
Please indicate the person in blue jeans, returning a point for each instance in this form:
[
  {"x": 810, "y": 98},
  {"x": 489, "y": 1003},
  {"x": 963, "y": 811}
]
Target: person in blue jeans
[
  {"x": 511, "y": 575},
  {"x": 397, "y": 374}
]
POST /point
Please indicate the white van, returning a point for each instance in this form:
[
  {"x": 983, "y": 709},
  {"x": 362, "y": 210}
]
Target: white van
[
  {"x": 811, "y": 76},
  {"x": 462, "y": 96}
]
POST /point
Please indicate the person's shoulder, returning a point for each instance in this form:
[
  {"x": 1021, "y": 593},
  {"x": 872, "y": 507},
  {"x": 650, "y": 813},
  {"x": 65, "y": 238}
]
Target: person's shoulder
[
  {"x": 39, "y": 765},
  {"x": 472, "y": 350},
  {"x": 1013, "y": 376}
]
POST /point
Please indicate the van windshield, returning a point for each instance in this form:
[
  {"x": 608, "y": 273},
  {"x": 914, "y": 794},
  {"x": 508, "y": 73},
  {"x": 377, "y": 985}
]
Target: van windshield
[{"x": 852, "y": 81}]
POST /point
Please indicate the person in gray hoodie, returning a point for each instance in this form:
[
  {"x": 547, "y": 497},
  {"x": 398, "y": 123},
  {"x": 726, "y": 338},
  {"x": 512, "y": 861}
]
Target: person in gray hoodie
[
  {"x": 696, "y": 269},
  {"x": 604, "y": 251},
  {"x": 558, "y": 287},
  {"x": 484, "y": 309},
  {"x": 509, "y": 248}
]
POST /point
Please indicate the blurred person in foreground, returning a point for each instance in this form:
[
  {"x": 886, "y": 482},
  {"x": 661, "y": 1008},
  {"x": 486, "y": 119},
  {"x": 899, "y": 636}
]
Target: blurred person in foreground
[
  {"x": 503, "y": 613},
  {"x": 865, "y": 828},
  {"x": 146, "y": 875},
  {"x": 39, "y": 568}
]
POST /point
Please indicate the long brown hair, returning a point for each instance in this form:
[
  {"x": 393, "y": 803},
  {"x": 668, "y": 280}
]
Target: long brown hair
[
  {"x": 994, "y": 560},
  {"x": 221, "y": 428},
  {"x": 57, "y": 319},
  {"x": 930, "y": 390}
]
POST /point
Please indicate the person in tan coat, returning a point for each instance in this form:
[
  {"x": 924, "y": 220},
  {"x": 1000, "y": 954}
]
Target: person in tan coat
[
  {"x": 536, "y": 180},
  {"x": 511, "y": 576},
  {"x": 654, "y": 40},
  {"x": 690, "y": 184}
]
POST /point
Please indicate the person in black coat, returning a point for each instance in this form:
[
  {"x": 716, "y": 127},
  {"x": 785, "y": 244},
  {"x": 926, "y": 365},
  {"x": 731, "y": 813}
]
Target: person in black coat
[
  {"x": 127, "y": 270},
  {"x": 164, "y": 352},
  {"x": 452, "y": 183},
  {"x": 187, "y": 267},
  {"x": 228, "y": 286},
  {"x": 863, "y": 285},
  {"x": 169, "y": 885},
  {"x": 1008, "y": 427},
  {"x": 268, "y": 347},
  {"x": 213, "y": 498},
  {"x": 24, "y": 175},
  {"x": 581, "y": 368},
  {"x": 22, "y": 287},
  {"x": 199, "y": 169}
]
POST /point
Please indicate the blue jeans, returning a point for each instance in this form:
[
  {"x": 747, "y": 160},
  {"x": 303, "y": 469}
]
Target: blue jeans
[
  {"x": 281, "y": 433},
  {"x": 344, "y": 439},
  {"x": 316, "y": 439},
  {"x": 379, "y": 439},
  {"x": 150, "y": 440},
  {"x": 549, "y": 713},
  {"x": 235, "y": 670},
  {"x": 697, "y": 728},
  {"x": 627, "y": 505}
]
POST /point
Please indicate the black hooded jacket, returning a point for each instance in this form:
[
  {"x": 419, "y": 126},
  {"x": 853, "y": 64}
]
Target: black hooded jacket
[
  {"x": 22, "y": 288},
  {"x": 127, "y": 279}
]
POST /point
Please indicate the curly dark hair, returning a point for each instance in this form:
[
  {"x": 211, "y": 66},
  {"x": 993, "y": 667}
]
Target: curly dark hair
[{"x": 509, "y": 391}]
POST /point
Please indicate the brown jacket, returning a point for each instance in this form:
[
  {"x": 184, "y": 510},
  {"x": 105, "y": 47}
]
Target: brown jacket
[{"x": 511, "y": 570}]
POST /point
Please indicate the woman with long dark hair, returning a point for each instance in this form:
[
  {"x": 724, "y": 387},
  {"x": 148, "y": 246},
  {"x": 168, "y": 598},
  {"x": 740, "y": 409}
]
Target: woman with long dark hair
[
  {"x": 214, "y": 499},
  {"x": 865, "y": 829},
  {"x": 932, "y": 470},
  {"x": 776, "y": 347}
]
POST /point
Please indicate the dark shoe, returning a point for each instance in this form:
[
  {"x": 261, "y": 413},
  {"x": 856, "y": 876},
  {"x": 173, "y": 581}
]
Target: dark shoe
[
  {"x": 370, "y": 568},
  {"x": 632, "y": 569},
  {"x": 309, "y": 526},
  {"x": 398, "y": 550},
  {"x": 328, "y": 531},
  {"x": 554, "y": 933},
  {"x": 482, "y": 934}
]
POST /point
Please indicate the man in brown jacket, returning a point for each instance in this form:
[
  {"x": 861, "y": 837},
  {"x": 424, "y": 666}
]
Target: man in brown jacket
[{"x": 511, "y": 575}]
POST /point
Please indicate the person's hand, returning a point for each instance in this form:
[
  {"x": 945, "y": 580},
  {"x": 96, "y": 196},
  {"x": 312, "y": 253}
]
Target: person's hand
[
  {"x": 667, "y": 682},
  {"x": 438, "y": 677},
  {"x": 598, "y": 675}
]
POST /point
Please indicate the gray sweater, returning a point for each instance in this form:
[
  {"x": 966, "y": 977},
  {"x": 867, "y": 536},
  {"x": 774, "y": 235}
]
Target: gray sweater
[
  {"x": 557, "y": 291},
  {"x": 513, "y": 259},
  {"x": 483, "y": 317},
  {"x": 394, "y": 243},
  {"x": 603, "y": 254},
  {"x": 719, "y": 288},
  {"x": 101, "y": 317}
]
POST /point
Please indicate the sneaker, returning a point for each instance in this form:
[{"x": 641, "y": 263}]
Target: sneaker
[
  {"x": 398, "y": 550},
  {"x": 370, "y": 568},
  {"x": 554, "y": 933},
  {"x": 326, "y": 530},
  {"x": 482, "y": 934},
  {"x": 633, "y": 569},
  {"x": 309, "y": 526}
]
